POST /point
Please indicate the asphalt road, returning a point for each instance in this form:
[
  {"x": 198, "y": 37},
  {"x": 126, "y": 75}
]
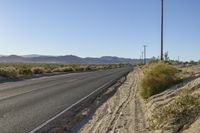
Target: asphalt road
[{"x": 24, "y": 105}]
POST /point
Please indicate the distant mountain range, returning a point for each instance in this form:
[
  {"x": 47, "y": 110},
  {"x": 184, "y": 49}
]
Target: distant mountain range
[{"x": 67, "y": 59}]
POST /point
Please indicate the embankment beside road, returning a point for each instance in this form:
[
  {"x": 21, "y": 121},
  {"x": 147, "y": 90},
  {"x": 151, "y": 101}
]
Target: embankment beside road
[{"x": 177, "y": 109}]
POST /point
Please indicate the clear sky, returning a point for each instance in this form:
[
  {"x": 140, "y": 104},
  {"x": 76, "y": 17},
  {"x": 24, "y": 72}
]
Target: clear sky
[{"x": 99, "y": 27}]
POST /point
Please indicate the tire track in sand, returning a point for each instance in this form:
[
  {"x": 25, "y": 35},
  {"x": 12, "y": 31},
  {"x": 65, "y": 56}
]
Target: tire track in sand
[{"x": 122, "y": 113}]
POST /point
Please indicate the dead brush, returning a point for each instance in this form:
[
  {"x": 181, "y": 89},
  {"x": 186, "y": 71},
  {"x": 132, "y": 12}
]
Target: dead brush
[
  {"x": 9, "y": 72},
  {"x": 158, "y": 76}
]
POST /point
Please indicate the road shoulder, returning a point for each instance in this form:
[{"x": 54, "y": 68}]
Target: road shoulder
[{"x": 123, "y": 112}]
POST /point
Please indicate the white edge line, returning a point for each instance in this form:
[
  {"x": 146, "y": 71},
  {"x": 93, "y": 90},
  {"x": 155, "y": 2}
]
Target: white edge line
[{"x": 56, "y": 116}]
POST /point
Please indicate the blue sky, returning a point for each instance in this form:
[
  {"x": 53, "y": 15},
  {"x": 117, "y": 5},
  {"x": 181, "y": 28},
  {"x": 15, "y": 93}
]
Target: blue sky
[{"x": 99, "y": 27}]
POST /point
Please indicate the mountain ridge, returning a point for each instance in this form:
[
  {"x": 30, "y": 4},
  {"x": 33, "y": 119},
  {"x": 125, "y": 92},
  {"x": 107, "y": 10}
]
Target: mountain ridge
[{"x": 66, "y": 59}]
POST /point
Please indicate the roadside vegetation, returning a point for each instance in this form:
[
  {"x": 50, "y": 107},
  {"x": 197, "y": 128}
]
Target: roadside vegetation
[
  {"x": 182, "y": 112},
  {"x": 158, "y": 76},
  {"x": 176, "y": 109},
  {"x": 8, "y": 72},
  {"x": 13, "y": 71}
]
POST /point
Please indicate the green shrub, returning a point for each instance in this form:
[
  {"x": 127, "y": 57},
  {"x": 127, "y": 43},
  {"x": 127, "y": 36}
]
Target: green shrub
[
  {"x": 37, "y": 70},
  {"x": 182, "y": 111},
  {"x": 25, "y": 71},
  {"x": 158, "y": 76},
  {"x": 9, "y": 72}
]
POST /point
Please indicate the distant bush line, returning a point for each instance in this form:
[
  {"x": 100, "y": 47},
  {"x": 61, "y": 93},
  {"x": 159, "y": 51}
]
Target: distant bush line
[{"x": 13, "y": 71}]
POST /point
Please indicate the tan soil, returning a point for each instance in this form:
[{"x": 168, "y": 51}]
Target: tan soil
[
  {"x": 122, "y": 113},
  {"x": 191, "y": 86},
  {"x": 126, "y": 112},
  {"x": 194, "y": 128}
]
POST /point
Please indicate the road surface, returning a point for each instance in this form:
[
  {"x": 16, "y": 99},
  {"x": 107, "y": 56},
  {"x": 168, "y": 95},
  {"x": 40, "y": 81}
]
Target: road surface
[{"x": 24, "y": 105}]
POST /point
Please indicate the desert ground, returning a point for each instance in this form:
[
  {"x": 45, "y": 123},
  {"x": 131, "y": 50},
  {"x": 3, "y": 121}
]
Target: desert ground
[{"x": 127, "y": 112}]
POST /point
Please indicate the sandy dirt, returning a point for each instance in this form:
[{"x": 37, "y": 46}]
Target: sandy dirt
[
  {"x": 126, "y": 112},
  {"x": 121, "y": 110},
  {"x": 191, "y": 86},
  {"x": 194, "y": 128},
  {"x": 122, "y": 113}
]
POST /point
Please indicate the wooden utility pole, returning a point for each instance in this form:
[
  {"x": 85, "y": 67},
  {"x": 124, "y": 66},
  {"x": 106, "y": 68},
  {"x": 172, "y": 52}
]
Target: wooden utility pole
[
  {"x": 162, "y": 16},
  {"x": 144, "y": 53}
]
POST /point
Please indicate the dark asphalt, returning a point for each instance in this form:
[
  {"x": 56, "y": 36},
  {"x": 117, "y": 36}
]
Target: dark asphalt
[{"x": 24, "y": 105}]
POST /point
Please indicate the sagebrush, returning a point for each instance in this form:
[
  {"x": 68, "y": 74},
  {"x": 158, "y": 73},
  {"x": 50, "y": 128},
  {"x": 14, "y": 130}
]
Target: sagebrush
[
  {"x": 9, "y": 72},
  {"x": 158, "y": 76}
]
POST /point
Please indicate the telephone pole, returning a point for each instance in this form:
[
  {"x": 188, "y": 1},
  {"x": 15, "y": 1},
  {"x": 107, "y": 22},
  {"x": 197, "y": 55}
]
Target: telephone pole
[
  {"x": 162, "y": 17},
  {"x": 142, "y": 57},
  {"x": 144, "y": 53}
]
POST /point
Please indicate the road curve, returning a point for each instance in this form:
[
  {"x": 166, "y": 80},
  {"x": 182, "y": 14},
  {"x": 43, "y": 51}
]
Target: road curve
[{"x": 24, "y": 105}]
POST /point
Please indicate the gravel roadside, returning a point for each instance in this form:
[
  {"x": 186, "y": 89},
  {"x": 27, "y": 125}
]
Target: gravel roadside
[{"x": 122, "y": 113}]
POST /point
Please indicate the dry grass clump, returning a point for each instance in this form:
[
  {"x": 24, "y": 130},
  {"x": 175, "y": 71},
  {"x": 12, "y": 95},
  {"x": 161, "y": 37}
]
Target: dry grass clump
[
  {"x": 25, "y": 71},
  {"x": 38, "y": 70},
  {"x": 68, "y": 69},
  {"x": 9, "y": 72},
  {"x": 82, "y": 68},
  {"x": 158, "y": 76},
  {"x": 182, "y": 112},
  {"x": 88, "y": 68},
  {"x": 63, "y": 69}
]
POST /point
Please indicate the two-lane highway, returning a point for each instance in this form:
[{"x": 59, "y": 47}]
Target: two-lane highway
[{"x": 24, "y": 105}]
